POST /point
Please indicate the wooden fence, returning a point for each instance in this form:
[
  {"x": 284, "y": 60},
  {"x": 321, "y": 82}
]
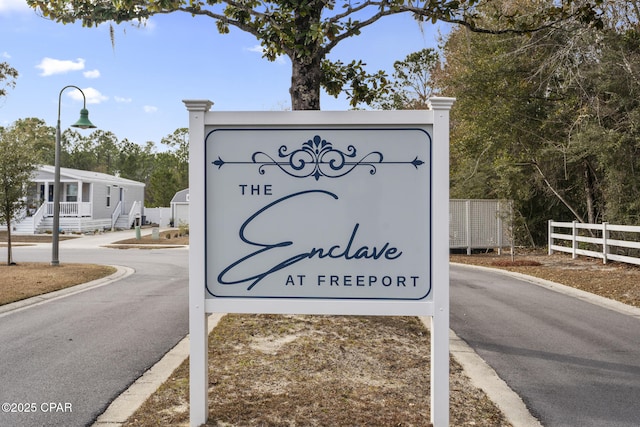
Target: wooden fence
[{"x": 606, "y": 241}]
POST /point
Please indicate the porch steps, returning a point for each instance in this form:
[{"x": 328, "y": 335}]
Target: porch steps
[
  {"x": 24, "y": 227},
  {"x": 123, "y": 223}
]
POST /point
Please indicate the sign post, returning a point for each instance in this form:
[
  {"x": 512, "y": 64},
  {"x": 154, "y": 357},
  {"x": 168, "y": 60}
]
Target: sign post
[{"x": 311, "y": 212}]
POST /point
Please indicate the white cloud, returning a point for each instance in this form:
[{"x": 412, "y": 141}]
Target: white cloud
[
  {"x": 150, "y": 109},
  {"x": 259, "y": 49},
  {"x": 50, "y": 66},
  {"x": 6, "y": 54},
  {"x": 14, "y": 5},
  {"x": 93, "y": 95},
  {"x": 92, "y": 74},
  {"x": 122, "y": 100}
]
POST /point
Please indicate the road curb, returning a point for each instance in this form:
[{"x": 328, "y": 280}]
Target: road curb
[
  {"x": 143, "y": 246},
  {"x": 486, "y": 379},
  {"x": 614, "y": 305},
  {"x": 121, "y": 273},
  {"x": 124, "y": 406},
  {"x": 483, "y": 376}
]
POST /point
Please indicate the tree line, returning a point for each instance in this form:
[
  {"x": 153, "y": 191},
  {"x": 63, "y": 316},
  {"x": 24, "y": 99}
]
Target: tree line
[
  {"x": 546, "y": 112},
  {"x": 550, "y": 119},
  {"x": 164, "y": 169}
]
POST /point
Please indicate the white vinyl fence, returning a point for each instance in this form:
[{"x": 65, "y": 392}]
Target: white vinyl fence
[
  {"x": 160, "y": 216},
  {"x": 479, "y": 224},
  {"x": 606, "y": 241}
]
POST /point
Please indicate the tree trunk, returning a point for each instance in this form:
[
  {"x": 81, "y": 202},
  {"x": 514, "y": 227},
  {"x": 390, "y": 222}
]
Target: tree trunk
[
  {"x": 557, "y": 194},
  {"x": 306, "y": 58},
  {"x": 589, "y": 189},
  {"x": 305, "y": 83},
  {"x": 9, "y": 254}
]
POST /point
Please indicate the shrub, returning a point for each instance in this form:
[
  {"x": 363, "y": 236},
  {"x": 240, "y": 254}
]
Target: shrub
[{"x": 184, "y": 228}]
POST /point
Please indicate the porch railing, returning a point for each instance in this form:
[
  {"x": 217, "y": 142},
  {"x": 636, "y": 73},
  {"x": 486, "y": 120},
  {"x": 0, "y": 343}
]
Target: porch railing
[
  {"x": 71, "y": 209},
  {"x": 116, "y": 214},
  {"x": 135, "y": 212},
  {"x": 37, "y": 217}
]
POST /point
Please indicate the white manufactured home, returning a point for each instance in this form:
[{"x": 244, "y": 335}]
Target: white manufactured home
[{"x": 89, "y": 201}]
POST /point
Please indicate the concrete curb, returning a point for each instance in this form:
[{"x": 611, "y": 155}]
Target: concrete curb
[
  {"x": 618, "y": 306},
  {"x": 483, "y": 376},
  {"x": 143, "y": 246},
  {"x": 480, "y": 374},
  {"x": 121, "y": 273},
  {"x": 486, "y": 379},
  {"x": 130, "y": 400}
]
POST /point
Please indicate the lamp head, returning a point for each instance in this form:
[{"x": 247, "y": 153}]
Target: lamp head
[{"x": 84, "y": 122}]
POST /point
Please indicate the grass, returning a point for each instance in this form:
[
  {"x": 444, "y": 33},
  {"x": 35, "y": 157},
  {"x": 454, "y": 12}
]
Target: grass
[
  {"x": 167, "y": 237},
  {"x": 616, "y": 281},
  {"x": 25, "y": 280},
  {"x": 303, "y": 370},
  {"x": 292, "y": 370},
  {"x": 28, "y": 239}
]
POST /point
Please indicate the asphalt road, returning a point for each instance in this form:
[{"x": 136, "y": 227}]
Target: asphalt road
[
  {"x": 65, "y": 361},
  {"x": 573, "y": 363}
]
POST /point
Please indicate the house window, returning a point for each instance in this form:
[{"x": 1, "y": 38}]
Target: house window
[
  {"x": 108, "y": 196},
  {"x": 72, "y": 192}
]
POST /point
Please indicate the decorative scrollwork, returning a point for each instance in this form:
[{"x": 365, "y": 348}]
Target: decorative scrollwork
[{"x": 317, "y": 158}]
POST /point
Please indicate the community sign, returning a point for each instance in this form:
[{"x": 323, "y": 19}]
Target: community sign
[{"x": 313, "y": 212}]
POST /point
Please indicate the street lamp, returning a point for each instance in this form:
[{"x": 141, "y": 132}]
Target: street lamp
[{"x": 82, "y": 123}]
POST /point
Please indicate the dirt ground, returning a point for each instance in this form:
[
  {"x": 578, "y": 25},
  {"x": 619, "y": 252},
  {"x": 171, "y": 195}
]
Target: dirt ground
[
  {"x": 25, "y": 280},
  {"x": 168, "y": 237},
  {"x": 331, "y": 371},
  {"x": 352, "y": 371}
]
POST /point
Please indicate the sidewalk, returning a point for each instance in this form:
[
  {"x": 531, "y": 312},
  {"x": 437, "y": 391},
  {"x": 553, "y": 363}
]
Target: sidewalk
[
  {"x": 105, "y": 239},
  {"x": 101, "y": 239}
]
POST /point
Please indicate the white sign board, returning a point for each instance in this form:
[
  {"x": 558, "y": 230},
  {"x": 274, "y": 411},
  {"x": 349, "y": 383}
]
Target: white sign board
[
  {"x": 313, "y": 212},
  {"x": 318, "y": 213}
]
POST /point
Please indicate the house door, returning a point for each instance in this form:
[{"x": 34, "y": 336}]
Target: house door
[{"x": 122, "y": 200}]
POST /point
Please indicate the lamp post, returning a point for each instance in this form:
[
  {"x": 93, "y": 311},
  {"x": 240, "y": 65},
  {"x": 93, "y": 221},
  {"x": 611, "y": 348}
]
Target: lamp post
[{"x": 82, "y": 123}]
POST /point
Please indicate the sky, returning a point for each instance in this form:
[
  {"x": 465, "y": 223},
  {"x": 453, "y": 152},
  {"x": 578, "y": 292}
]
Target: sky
[{"x": 135, "y": 88}]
